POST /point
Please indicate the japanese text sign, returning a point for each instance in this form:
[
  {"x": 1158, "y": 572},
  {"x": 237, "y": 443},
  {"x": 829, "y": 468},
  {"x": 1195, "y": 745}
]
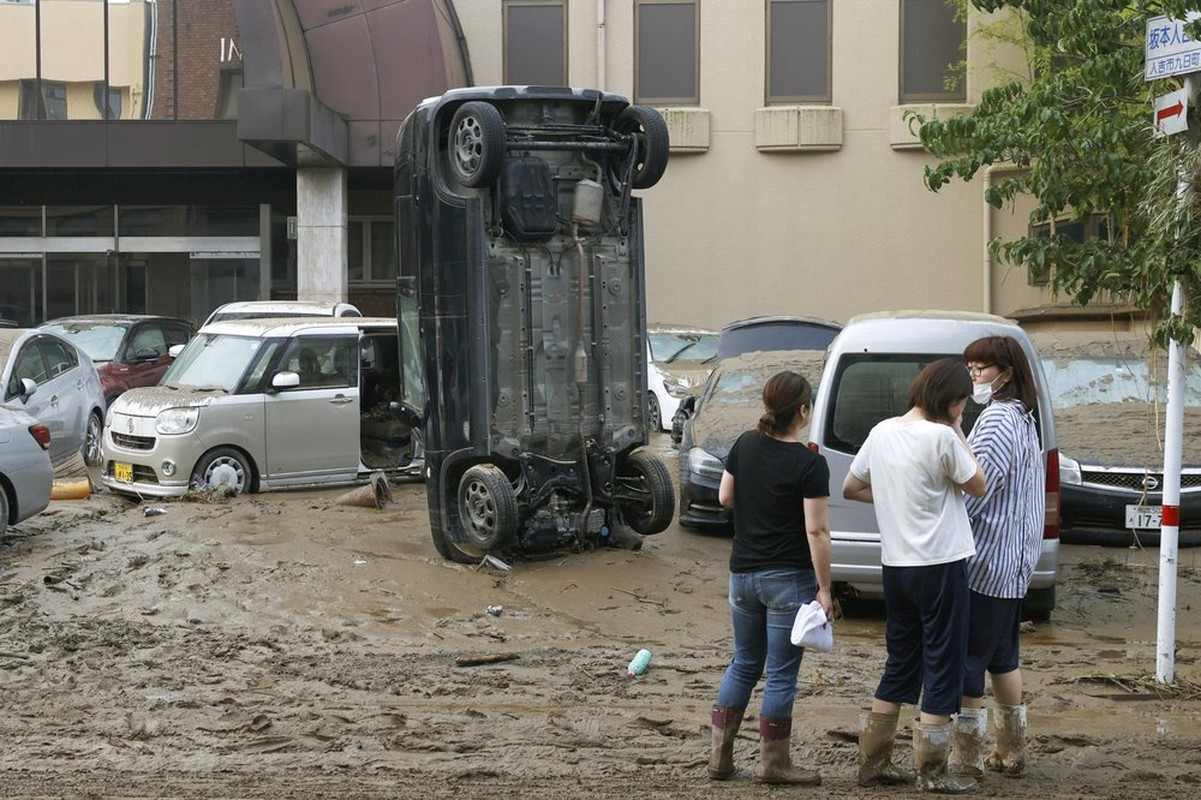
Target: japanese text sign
[{"x": 1169, "y": 51}]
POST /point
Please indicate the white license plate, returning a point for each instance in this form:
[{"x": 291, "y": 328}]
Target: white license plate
[
  {"x": 123, "y": 472},
  {"x": 1144, "y": 518}
]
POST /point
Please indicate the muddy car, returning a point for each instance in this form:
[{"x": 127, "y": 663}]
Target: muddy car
[
  {"x": 522, "y": 305},
  {"x": 264, "y": 404},
  {"x": 679, "y": 359}
]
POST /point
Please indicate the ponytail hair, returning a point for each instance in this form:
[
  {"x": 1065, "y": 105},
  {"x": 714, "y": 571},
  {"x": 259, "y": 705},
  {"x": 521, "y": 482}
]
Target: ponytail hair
[{"x": 784, "y": 395}]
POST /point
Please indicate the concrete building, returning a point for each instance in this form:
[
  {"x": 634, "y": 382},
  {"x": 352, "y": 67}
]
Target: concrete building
[{"x": 170, "y": 155}]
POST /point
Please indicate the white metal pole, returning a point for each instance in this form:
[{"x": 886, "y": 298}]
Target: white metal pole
[{"x": 1169, "y": 532}]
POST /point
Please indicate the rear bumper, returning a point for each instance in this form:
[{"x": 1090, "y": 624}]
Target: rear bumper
[{"x": 1096, "y": 515}]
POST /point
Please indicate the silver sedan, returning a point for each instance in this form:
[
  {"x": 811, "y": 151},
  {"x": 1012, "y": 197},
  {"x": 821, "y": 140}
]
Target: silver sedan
[{"x": 25, "y": 472}]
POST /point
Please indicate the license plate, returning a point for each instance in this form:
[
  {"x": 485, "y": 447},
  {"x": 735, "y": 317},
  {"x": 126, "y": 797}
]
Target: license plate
[
  {"x": 1144, "y": 518},
  {"x": 123, "y": 472}
]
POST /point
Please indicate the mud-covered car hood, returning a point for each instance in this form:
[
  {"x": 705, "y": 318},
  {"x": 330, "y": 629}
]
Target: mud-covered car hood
[
  {"x": 150, "y": 400},
  {"x": 737, "y": 409},
  {"x": 691, "y": 376}
]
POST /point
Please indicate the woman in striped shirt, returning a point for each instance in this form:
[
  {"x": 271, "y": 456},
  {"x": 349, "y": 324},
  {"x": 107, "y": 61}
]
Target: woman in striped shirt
[{"x": 1007, "y": 525}]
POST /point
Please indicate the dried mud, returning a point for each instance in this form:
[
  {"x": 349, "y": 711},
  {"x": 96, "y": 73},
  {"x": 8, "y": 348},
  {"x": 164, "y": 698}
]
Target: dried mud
[{"x": 281, "y": 646}]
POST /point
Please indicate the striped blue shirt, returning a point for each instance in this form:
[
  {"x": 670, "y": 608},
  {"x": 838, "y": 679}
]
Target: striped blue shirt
[{"x": 1007, "y": 521}]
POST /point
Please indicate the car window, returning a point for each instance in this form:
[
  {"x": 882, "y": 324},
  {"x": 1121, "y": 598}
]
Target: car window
[
  {"x": 682, "y": 346},
  {"x": 148, "y": 337},
  {"x": 99, "y": 340},
  {"x": 59, "y": 357},
  {"x": 869, "y": 388},
  {"x": 176, "y": 333},
  {"x": 323, "y": 361},
  {"x": 256, "y": 378},
  {"x": 27, "y": 364},
  {"x": 213, "y": 361}
]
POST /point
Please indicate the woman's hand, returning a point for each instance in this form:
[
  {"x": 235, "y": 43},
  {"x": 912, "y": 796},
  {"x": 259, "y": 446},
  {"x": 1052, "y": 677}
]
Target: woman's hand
[{"x": 827, "y": 603}]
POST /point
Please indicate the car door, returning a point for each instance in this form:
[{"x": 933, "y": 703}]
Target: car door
[
  {"x": 145, "y": 355},
  {"x": 313, "y": 428},
  {"x": 59, "y": 399}
]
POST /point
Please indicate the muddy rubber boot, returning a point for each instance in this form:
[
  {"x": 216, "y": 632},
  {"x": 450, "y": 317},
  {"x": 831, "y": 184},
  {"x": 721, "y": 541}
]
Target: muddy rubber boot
[
  {"x": 775, "y": 757},
  {"x": 931, "y": 747},
  {"x": 1009, "y": 725},
  {"x": 968, "y": 731},
  {"x": 877, "y": 733},
  {"x": 726, "y": 720}
]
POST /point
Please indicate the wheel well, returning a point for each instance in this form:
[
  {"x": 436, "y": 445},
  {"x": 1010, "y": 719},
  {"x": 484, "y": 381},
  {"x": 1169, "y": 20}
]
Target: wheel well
[{"x": 10, "y": 496}]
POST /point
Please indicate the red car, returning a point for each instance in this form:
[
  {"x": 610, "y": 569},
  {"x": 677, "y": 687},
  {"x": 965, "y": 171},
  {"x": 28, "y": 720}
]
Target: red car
[{"x": 128, "y": 349}]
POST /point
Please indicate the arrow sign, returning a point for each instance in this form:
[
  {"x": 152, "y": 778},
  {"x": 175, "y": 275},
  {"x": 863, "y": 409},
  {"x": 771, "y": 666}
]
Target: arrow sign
[{"x": 1171, "y": 113}]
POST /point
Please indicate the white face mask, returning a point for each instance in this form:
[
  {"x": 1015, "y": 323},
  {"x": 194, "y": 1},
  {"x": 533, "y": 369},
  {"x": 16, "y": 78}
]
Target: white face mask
[{"x": 982, "y": 393}]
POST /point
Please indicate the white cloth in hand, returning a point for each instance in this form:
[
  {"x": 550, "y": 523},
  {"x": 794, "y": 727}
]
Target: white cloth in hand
[{"x": 811, "y": 629}]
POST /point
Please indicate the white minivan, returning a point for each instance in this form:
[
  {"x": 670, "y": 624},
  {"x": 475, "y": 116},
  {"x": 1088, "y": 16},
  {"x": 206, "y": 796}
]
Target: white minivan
[{"x": 866, "y": 377}]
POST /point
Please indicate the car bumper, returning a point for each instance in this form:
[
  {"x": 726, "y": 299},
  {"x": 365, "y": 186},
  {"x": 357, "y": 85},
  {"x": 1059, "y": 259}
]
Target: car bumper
[
  {"x": 147, "y": 456},
  {"x": 855, "y": 562},
  {"x": 1096, "y": 515},
  {"x": 699, "y": 506}
]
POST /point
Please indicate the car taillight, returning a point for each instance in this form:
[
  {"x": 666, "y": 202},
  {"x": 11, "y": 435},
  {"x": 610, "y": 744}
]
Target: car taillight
[
  {"x": 1051, "y": 519},
  {"x": 42, "y": 434}
]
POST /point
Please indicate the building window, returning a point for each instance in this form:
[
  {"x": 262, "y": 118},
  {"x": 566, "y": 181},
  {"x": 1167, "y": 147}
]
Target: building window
[
  {"x": 667, "y": 53},
  {"x": 50, "y": 104},
  {"x": 798, "y": 51},
  {"x": 933, "y": 42},
  {"x": 108, "y": 103},
  {"x": 1095, "y": 227},
  {"x": 370, "y": 256},
  {"x": 535, "y": 37}
]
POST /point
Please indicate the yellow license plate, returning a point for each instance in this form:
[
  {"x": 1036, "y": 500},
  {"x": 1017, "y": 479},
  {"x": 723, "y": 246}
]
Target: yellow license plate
[{"x": 123, "y": 472}]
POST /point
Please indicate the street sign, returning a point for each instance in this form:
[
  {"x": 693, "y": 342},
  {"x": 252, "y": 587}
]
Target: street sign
[
  {"x": 1171, "y": 113},
  {"x": 1168, "y": 50}
]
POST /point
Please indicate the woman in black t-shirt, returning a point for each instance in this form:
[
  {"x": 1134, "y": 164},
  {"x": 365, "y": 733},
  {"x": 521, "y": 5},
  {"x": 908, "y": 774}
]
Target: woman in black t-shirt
[{"x": 780, "y": 560}]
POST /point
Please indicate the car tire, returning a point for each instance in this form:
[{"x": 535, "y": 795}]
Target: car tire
[
  {"x": 1038, "y": 604},
  {"x": 652, "y": 146},
  {"x": 487, "y": 507},
  {"x": 92, "y": 438},
  {"x": 476, "y": 144},
  {"x": 645, "y": 475},
  {"x": 217, "y": 461},
  {"x": 654, "y": 415},
  {"x": 4, "y": 512}
]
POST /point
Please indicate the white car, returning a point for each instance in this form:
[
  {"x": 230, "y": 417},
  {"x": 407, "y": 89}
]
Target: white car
[
  {"x": 678, "y": 359},
  {"x": 56, "y": 383},
  {"x": 261, "y": 309},
  {"x": 261, "y": 404}
]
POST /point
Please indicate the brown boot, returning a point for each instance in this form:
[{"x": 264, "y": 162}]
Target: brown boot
[
  {"x": 775, "y": 758},
  {"x": 877, "y": 732},
  {"x": 968, "y": 731},
  {"x": 931, "y": 747},
  {"x": 726, "y": 720},
  {"x": 1009, "y": 724}
]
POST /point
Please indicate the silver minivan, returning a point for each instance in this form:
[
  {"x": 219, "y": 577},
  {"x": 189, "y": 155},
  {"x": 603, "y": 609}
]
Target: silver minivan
[
  {"x": 262, "y": 404},
  {"x": 866, "y": 377}
]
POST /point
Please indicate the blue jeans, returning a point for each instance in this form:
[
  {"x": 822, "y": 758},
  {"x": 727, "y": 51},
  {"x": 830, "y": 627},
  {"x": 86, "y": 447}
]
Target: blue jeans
[{"x": 763, "y": 606}]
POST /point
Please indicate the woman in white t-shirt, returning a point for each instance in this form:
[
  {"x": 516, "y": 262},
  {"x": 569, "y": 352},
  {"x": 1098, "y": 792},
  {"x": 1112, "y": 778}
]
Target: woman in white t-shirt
[{"x": 915, "y": 469}]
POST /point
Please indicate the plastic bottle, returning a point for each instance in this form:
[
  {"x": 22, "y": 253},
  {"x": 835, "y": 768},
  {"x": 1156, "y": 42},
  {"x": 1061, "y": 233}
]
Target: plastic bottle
[{"x": 639, "y": 663}]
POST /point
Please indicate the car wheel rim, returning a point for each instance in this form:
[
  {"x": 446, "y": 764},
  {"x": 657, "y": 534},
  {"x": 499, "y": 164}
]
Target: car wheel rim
[
  {"x": 223, "y": 466},
  {"x": 469, "y": 145},
  {"x": 91, "y": 452},
  {"x": 656, "y": 421},
  {"x": 481, "y": 508}
]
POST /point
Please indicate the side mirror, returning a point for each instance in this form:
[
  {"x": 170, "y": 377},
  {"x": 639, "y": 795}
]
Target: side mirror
[
  {"x": 146, "y": 354},
  {"x": 175, "y": 350},
  {"x": 285, "y": 380},
  {"x": 28, "y": 387}
]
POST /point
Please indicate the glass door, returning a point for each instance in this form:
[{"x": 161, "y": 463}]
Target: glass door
[{"x": 20, "y": 291}]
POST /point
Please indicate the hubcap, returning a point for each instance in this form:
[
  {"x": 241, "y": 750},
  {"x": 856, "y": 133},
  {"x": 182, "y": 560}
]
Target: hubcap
[
  {"x": 469, "y": 147},
  {"x": 480, "y": 508}
]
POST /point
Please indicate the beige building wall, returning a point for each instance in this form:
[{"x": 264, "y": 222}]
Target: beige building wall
[{"x": 835, "y": 221}]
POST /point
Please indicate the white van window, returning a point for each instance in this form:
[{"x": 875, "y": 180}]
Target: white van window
[
  {"x": 871, "y": 388},
  {"x": 324, "y": 361}
]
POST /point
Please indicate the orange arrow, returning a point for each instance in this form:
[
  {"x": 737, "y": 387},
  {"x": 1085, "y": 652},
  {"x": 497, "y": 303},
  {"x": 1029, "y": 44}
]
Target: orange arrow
[{"x": 1170, "y": 111}]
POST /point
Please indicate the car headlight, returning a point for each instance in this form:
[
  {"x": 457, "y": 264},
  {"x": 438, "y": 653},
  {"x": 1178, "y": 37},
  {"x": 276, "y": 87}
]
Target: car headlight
[
  {"x": 675, "y": 389},
  {"x": 704, "y": 464},
  {"x": 1069, "y": 471},
  {"x": 176, "y": 420}
]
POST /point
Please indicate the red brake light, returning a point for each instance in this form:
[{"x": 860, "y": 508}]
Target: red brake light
[
  {"x": 1051, "y": 519},
  {"x": 42, "y": 434}
]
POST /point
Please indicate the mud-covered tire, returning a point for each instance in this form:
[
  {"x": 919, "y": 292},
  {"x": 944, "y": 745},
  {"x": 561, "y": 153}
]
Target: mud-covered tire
[
  {"x": 652, "y": 143},
  {"x": 451, "y": 551},
  {"x": 1038, "y": 604},
  {"x": 92, "y": 438},
  {"x": 4, "y": 512},
  {"x": 475, "y": 144},
  {"x": 221, "y": 457},
  {"x": 487, "y": 507},
  {"x": 647, "y": 475},
  {"x": 654, "y": 414}
]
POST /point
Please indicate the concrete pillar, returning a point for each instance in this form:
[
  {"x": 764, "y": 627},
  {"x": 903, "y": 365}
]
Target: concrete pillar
[{"x": 321, "y": 202}]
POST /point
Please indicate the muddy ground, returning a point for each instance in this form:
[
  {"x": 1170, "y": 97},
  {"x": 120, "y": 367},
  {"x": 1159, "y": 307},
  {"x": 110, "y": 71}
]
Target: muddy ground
[{"x": 284, "y": 646}]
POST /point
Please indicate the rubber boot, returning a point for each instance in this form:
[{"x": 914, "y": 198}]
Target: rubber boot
[
  {"x": 775, "y": 757},
  {"x": 931, "y": 748},
  {"x": 877, "y": 733},
  {"x": 968, "y": 731},
  {"x": 726, "y": 720},
  {"x": 1009, "y": 725}
]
